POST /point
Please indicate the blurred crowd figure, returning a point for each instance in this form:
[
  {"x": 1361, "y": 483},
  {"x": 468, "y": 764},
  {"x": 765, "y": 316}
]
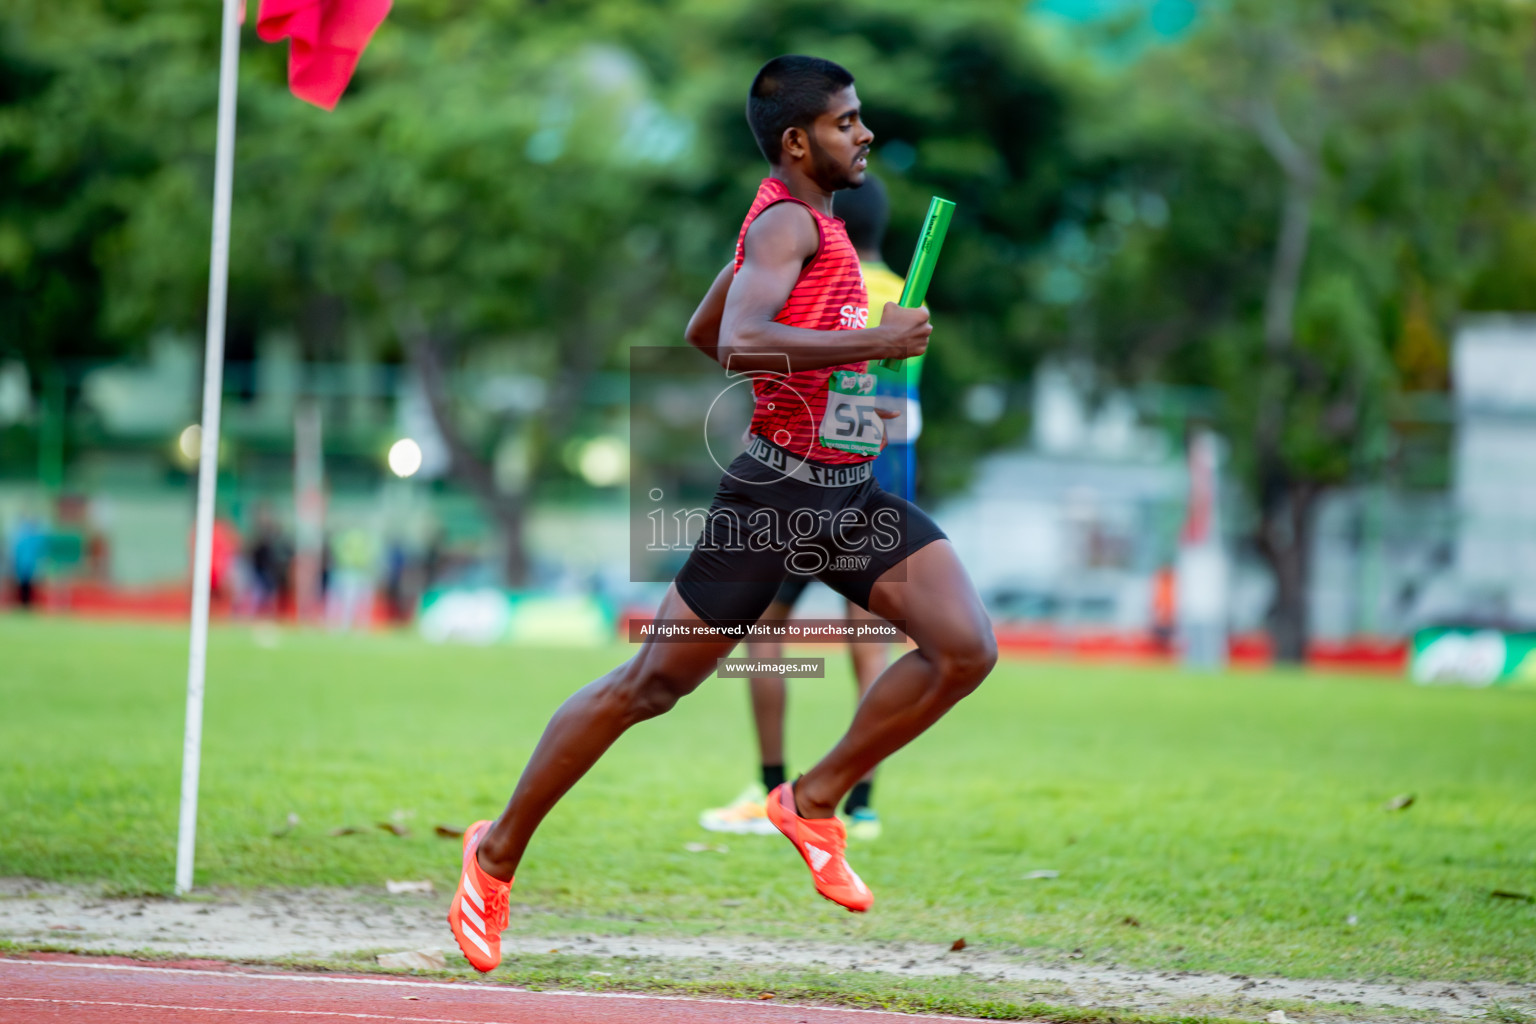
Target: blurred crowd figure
[
  {"x": 349, "y": 595},
  {"x": 400, "y": 582},
  {"x": 367, "y": 576},
  {"x": 1165, "y": 608},
  {"x": 226, "y": 580},
  {"x": 78, "y": 536},
  {"x": 68, "y": 548},
  {"x": 28, "y": 546},
  {"x": 271, "y": 564},
  {"x": 364, "y": 578}
]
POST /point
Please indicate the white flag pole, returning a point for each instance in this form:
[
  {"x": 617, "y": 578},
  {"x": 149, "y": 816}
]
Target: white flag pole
[{"x": 208, "y": 461}]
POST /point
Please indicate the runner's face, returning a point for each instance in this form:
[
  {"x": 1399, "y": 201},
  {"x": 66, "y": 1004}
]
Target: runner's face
[{"x": 839, "y": 143}]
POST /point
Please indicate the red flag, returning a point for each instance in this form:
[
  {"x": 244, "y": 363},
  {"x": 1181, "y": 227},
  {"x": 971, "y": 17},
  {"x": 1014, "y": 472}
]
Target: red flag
[{"x": 328, "y": 38}]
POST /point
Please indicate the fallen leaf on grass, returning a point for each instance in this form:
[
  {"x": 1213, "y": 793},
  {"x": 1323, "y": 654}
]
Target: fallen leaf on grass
[
  {"x": 416, "y": 959},
  {"x": 1401, "y": 802},
  {"x": 706, "y": 848},
  {"x": 1128, "y": 919},
  {"x": 394, "y": 828},
  {"x": 448, "y": 831},
  {"x": 957, "y": 945},
  {"x": 1506, "y": 894},
  {"x": 1043, "y": 873},
  {"x": 765, "y": 995},
  {"x": 345, "y": 830},
  {"x": 293, "y": 820},
  {"x": 396, "y": 888}
]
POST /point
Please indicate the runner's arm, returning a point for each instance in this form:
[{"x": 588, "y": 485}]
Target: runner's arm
[
  {"x": 703, "y": 331},
  {"x": 778, "y": 244}
]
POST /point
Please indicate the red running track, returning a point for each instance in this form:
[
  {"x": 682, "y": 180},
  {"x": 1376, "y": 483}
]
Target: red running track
[{"x": 82, "y": 990}]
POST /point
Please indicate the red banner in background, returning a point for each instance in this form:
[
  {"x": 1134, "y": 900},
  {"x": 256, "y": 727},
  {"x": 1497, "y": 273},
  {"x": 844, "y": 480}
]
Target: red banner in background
[{"x": 327, "y": 38}]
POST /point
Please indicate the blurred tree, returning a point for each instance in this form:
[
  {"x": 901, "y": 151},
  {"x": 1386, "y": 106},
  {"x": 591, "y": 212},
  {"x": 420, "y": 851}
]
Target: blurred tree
[
  {"x": 511, "y": 188},
  {"x": 1289, "y": 205},
  {"x": 1335, "y": 174},
  {"x": 486, "y": 200},
  {"x": 1506, "y": 281},
  {"x": 75, "y": 166},
  {"x": 480, "y": 200}
]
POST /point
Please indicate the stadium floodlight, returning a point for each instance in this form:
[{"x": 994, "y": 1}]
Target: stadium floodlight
[
  {"x": 603, "y": 462},
  {"x": 190, "y": 444},
  {"x": 404, "y": 457}
]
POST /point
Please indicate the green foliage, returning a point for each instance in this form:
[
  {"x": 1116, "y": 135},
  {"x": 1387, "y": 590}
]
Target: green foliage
[
  {"x": 1238, "y": 818},
  {"x": 1420, "y": 136},
  {"x": 1506, "y": 282},
  {"x": 73, "y": 165},
  {"x": 1304, "y": 197},
  {"x": 542, "y": 185}
]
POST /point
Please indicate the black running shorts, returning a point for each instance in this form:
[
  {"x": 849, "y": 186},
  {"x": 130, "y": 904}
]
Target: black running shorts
[{"x": 764, "y": 527}]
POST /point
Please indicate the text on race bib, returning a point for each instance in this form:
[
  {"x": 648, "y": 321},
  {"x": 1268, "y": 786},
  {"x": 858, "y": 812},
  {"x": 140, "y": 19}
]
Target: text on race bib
[{"x": 850, "y": 423}]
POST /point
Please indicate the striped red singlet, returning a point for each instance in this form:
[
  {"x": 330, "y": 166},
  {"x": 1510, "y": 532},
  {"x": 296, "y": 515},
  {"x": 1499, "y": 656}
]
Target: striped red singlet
[{"x": 828, "y": 296}]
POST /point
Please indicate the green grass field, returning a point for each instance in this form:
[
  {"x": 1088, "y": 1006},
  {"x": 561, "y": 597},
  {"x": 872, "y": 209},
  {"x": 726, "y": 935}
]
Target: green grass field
[{"x": 1238, "y": 820}]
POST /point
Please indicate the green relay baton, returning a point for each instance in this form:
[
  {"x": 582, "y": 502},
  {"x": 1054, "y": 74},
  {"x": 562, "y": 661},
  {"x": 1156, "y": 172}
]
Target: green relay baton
[{"x": 935, "y": 227}]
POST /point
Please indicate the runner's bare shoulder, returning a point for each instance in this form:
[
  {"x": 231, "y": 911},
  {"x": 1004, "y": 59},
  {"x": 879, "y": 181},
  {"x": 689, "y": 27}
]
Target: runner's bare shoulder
[{"x": 785, "y": 232}]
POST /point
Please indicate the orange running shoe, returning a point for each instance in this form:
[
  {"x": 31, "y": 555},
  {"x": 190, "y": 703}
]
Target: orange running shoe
[
  {"x": 821, "y": 842},
  {"x": 479, "y": 912}
]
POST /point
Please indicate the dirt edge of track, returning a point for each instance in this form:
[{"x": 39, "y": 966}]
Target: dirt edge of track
[{"x": 342, "y": 929}]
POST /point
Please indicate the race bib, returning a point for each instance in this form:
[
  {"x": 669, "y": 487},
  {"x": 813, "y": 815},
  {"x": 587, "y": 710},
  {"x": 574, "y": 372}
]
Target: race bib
[{"x": 850, "y": 423}]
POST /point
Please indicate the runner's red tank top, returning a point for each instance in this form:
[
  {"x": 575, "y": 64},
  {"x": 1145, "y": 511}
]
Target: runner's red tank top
[{"x": 829, "y": 296}]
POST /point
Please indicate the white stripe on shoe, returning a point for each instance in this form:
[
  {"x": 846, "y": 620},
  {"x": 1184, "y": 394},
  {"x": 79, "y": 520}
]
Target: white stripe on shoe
[
  {"x": 477, "y": 940},
  {"x": 476, "y": 919},
  {"x": 472, "y": 892}
]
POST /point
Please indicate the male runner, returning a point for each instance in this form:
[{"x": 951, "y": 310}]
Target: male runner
[
  {"x": 796, "y": 304},
  {"x": 865, "y": 212}
]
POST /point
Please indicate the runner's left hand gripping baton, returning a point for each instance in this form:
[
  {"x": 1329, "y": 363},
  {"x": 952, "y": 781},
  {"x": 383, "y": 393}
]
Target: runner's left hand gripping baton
[{"x": 924, "y": 259}]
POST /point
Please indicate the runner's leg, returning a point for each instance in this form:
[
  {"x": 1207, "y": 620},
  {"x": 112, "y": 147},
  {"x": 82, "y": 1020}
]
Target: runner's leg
[
  {"x": 587, "y": 724},
  {"x": 768, "y": 694},
  {"x": 869, "y": 660},
  {"x": 768, "y": 702},
  {"x": 932, "y": 594}
]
